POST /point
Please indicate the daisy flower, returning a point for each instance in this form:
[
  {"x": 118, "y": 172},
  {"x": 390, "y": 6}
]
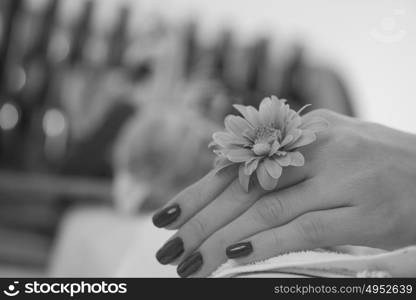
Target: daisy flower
[{"x": 262, "y": 142}]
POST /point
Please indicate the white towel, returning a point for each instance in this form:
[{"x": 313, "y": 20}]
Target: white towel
[{"x": 340, "y": 262}]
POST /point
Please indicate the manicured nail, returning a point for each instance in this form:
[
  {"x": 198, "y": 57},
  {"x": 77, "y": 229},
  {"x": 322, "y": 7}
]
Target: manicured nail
[
  {"x": 166, "y": 216},
  {"x": 190, "y": 265},
  {"x": 170, "y": 251},
  {"x": 239, "y": 250}
]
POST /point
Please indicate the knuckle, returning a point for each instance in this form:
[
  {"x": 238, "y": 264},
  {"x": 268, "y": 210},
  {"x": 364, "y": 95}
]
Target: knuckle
[
  {"x": 198, "y": 194},
  {"x": 311, "y": 230},
  {"x": 269, "y": 211},
  {"x": 347, "y": 140},
  {"x": 191, "y": 192},
  {"x": 323, "y": 113},
  {"x": 236, "y": 194},
  {"x": 335, "y": 119},
  {"x": 198, "y": 228},
  {"x": 235, "y": 189}
]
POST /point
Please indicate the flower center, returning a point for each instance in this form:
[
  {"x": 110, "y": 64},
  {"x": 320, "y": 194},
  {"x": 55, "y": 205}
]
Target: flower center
[
  {"x": 265, "y": 136},
  {"x": 261, "y": 149}
]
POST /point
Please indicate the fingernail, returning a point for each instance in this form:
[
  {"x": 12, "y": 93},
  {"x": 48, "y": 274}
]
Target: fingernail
[
  {"x": 166, "y": 216},
  {"x": 239, "y": 250},
  {"x": 190, "y": 265},
  {"x": 170, "y": 251}
]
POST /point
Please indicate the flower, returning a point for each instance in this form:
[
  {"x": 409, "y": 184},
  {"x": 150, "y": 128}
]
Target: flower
[{"x": 264, "y": 141}]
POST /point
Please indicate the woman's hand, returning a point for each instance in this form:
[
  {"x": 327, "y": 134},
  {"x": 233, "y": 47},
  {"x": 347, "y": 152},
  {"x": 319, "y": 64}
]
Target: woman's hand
[{"x": 358, "y": 187}]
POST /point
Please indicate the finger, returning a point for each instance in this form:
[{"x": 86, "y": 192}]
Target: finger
[
  {"x": 193, "y": 199},
  {"x": 312, "y": 230},
  {"x": 281, "y": 207},
  {"x": 178, "y": 210},
  {"x": 231, "y": 203},
  {"x": 226, "y": 207},
  {"x": 270, "y": 211},
  {"x": 185, "y": 205}
]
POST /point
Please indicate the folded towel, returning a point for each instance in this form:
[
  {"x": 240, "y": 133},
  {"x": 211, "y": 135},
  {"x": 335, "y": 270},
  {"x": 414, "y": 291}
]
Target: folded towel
[{"x": 337, "y": 262}]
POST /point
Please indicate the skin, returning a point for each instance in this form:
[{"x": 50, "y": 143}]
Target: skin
[{"x": 357, "y": 187}]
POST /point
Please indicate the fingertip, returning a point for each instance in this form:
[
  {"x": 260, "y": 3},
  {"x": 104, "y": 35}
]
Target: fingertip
[
  {"x": 190, "y": 265},
  {"x": 170, "y": 251},
  {"x": 166, "y": 216},
  {"x": 238, "y": 250}
]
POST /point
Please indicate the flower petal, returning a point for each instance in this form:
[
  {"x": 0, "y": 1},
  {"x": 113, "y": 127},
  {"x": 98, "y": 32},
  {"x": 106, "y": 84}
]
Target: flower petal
[
  {"x": 296, "y": 159},
  {"x": 290, "y": 113},
  {"x": 306, "y": 138},
  {"x": 284, "y": 160},
  {"x": 243, "y": 178},
  {"x": 222, "y": 163},
  {"x": 249, "y": 113},
  {"x": 212, "y": 144},
  {"x": 294, "y": 123},
  {"x": 303, "y": 108},
  {"x": 267, "y": 111},
  {"x": 251, "y": 166},
  {"x": 221, "y": 138},
  {"x": 239, "y": 155},
  {"x": 296, "y": 134},
  {"x": 237, "y": 125},
  {"x": 286, "y": 140},
  {"x": 275, "y": 147},
  {"x": 266, "y": 181},
  {"x": 221, "y": 152},
  {"x": 249, "y": 134},
  {"x": 225, "y": 139},
  {"x": 279, "y": 111},
  {"x": 281, "y": 102},
  {"x": 273, "y": 168}
]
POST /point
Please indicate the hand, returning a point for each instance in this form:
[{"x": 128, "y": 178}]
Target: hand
[{"x": 357, "y": 187}]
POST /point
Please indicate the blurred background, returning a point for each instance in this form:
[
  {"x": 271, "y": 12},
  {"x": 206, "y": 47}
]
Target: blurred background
[{"x": 107, "y": 107}]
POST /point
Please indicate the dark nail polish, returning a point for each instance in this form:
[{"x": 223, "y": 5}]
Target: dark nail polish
[
  {"x": 190, "y": 265},
  {"x": 239, "y": 250},
  {"x": 166, "y": 216},
  {"x": 170, "y": 251}
]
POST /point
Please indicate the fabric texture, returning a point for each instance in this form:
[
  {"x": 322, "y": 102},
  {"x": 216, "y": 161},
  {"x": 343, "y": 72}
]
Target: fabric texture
[{"x": 347, "y": 261}]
